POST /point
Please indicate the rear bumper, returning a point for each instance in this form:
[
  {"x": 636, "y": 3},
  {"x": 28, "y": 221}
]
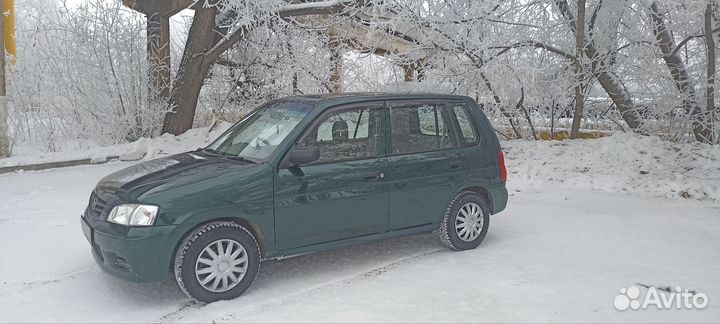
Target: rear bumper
[
  {"x": 137, "y": 254},
  {"x": 499, "y": 197}
]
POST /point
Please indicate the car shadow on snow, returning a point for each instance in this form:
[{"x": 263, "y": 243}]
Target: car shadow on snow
[
  {"x": 313, "y": 271},
  {"x": 296, "y": 275},
  {"x": 142, "y": 294}
]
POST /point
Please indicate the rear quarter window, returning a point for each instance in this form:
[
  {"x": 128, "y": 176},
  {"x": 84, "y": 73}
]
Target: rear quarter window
[{"x": 468, "y": 131}]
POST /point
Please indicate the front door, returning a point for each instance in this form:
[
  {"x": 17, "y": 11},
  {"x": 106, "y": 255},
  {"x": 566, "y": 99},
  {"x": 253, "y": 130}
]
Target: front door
[
  {"x": 343, "y": 195},
  {"x": 425, "y": 162}
]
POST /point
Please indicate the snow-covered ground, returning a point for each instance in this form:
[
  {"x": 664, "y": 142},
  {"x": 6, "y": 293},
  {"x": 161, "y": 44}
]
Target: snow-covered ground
[
  {"x": 562, "y": 251},
  {"x": 624, "y": 163}
]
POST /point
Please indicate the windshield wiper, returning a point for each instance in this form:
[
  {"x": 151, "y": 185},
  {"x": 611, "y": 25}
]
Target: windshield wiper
[
  {"x": 239, "y": 158},
  {"x": 210, "y": 152},
  {"x": 217, "y": 153}
]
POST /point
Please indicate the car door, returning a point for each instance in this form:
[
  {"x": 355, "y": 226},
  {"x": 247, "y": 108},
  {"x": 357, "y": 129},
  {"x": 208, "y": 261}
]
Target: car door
[
  {"x": 425, "y": 162},
  {"x": 343, "y": 194},
  {"x": 481, "y": 157}
]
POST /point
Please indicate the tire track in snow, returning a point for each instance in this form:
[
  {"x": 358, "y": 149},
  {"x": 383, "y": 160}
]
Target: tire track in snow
[
  {"x": 24, "y": 285},
  {"x": 277, "y": 302},
  {"x": 170, "y": 317}
]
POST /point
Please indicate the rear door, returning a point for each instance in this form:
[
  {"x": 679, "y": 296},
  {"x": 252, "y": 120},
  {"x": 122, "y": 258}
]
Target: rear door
[
  {"x": 342, "y": 195},
  {"x": 425, "y": 162},
  {"x": 481, "y": 146}
]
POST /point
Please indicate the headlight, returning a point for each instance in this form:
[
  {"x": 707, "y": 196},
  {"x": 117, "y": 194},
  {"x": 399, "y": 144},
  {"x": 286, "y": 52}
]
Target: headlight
[{"x": 133, "y": 215}]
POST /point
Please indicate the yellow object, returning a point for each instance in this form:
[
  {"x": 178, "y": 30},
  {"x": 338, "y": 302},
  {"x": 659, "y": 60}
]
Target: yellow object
[
  {"x": 9, "y": 27},
  {"x": 563, "y": 135}
]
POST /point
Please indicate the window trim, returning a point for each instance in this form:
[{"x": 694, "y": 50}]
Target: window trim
[
  {"x": 456, "y": 123},
  {"x": 369, "y": 105},
  {"x": 439, "y": 103}
]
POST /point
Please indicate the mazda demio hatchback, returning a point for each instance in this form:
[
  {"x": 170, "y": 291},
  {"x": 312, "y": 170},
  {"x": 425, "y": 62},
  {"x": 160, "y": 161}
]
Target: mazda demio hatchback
[{"x": 298, "y": 175}]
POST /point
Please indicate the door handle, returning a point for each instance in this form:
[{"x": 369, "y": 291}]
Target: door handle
[
  {"x": 455, "y": 164},
  {"x": 373, "y": 176}
]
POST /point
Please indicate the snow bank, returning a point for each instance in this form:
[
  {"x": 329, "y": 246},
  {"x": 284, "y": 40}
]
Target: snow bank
[
  {"x": 145, "y": 148},
  {"x": 620, "y": 163}
]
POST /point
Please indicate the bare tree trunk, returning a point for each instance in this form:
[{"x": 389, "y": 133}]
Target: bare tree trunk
[
  {"x": 496, "y": 97},
  {"x": 191, "y": 73},
  {"x": 710, "y": 43},
  {"x": 521, "y": 106},
  {"x": 295, "y": 84},
  {"x": 336, "y": 64},
  {"x": 4, "y": 136},
  {"x": 158, "y": 49},
  {"x": 420, "y": 70},
  {"x": 580, "y": 71},
  {"x": 205, "y": 43},
  {"x": 612, "y": 85},
  {"x": 679, "y": 73},
  {"x": 620, "y": 97},
  {"x": 409, "y": 72}
]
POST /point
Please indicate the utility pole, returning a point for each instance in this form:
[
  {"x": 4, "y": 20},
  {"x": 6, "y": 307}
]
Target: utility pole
[{"x": 4, "y": 136}]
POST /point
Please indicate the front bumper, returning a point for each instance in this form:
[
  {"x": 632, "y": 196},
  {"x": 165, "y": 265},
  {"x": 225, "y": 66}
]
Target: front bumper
[{"x": 140, "y": 254}]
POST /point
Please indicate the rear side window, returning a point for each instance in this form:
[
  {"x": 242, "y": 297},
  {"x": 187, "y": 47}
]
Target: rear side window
[
  {"x": 467, "y": 127},
  {"x": 419, "y": 128},
  {"x": 432, "y": 122}
]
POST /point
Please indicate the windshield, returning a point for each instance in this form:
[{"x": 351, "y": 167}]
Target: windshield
[{"x": 259, "y": 134}]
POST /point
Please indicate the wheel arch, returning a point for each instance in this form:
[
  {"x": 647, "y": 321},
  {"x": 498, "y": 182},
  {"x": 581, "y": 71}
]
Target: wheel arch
[
  {"x": 255, "y": 230},
  {"x": 480, "y": 191}
]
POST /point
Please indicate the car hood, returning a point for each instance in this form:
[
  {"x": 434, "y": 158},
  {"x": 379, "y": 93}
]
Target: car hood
[{"x": 167, "y": 173}]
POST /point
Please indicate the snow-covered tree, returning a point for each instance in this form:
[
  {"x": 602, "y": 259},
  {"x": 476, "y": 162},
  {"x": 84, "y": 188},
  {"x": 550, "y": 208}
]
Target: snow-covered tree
[{"x": 536, "y": 66}]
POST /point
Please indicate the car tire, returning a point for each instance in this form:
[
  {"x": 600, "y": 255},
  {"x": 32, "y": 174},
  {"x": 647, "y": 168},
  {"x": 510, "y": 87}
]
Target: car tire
[
  {"x": 466, "y": 222},
  {"x": 217, "y": 261}
]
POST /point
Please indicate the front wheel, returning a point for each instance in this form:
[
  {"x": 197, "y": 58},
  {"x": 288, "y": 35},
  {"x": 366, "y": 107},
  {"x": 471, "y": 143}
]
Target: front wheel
[
  {"x": 466, "y": 222},
  {"x": 217, "y": 261}
]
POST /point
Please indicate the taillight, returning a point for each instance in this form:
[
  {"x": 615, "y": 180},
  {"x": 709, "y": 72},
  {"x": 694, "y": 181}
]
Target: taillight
[{"x": 503, "y": 168}]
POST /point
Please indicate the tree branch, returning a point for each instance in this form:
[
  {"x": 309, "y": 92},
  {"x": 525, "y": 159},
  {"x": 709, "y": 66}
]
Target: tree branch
[
  {"x": 228, "y": 63},
  {"x": 567, "y": 13},
  {"x": 428, "y": 23},
  {"x": 535, "y": 44},
  {"x": 687, "y": 39},
  {"x": 317, "y": 8},
  {"x": 591, "y": 25},
  {"x": 287, "y": 11},
  {"x": 631, "y": 44}
]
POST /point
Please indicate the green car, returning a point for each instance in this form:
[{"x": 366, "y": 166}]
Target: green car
[{"x": 297, "y": 175}]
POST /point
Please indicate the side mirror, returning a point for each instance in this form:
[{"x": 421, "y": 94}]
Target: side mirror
[{"x": 302, "y": 155}]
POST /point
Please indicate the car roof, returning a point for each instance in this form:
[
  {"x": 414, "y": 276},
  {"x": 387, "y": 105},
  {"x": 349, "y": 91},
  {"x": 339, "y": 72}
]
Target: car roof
[{"x": 335, "y": 98}]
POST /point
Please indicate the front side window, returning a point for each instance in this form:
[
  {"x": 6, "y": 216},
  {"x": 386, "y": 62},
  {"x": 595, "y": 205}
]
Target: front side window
[
  {"x": 256, "y": 137},
  {"x": 419, "y": 128},
  {"x": 345, "y": 134}
]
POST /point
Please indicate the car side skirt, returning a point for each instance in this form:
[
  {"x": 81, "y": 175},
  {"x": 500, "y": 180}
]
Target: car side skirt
[{"x": 423, "y": 229}]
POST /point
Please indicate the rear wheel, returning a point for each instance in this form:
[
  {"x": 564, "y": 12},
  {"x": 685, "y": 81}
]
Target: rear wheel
[
  {"x": 217, "y": 261},
  {"x": 466, "y": 222}
]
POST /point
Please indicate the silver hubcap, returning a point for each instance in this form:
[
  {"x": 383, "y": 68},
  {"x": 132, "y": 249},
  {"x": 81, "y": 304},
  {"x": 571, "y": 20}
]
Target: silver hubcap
[
  {"x": 469, "y": 222},
  {"x": 221, "y": 265}
]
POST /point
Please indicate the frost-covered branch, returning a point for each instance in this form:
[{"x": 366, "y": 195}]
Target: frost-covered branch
[
  {"x": 286, "y": 11},
  {"x": 689, "y": 38},
  {"x": 534, "y": 44}
]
